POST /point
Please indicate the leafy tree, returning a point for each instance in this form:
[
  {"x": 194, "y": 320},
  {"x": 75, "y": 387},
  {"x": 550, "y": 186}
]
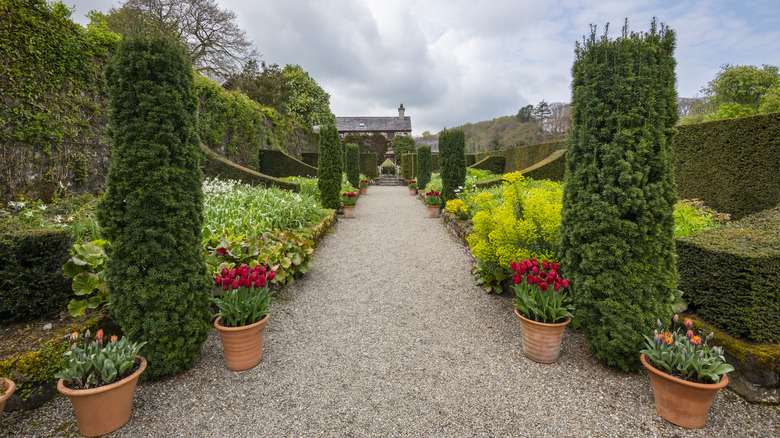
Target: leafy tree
[
  {"x": 542, "y": 111},
  {"x": 617, "y": 227},
  {"x": 214, "y": 42},
  {"x": 426, "y": 135},
  {"x": 329, "y": 167},
  {"x": 424, "y": 166},
  {"x": 265, "y": 84},
  {"x": 152, "y": 210},
  {"x": 403, "y": 145},
  {"x": 309, "y": 103},
  {"x": 526, "y": 114},
  {"x": 352, "y": 162},
  {"x": 738, "y": 91},
  {"x": 452, "y": 161},
  {"x": 495, "y": 142}
]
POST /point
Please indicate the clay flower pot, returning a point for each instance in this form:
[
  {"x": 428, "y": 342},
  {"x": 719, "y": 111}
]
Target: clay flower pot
[
  {"x": 104, "y": 409},
  {"x": 349, "y": 211},
  {"x": 242, "y": 346},
  {"x": 541, "y": 341},
  {"x": 363, "y": 190},
  {"x": 8, "y": 386},
  {"x": 679, "y": 401},
  {"x": 433, "y": 211}
]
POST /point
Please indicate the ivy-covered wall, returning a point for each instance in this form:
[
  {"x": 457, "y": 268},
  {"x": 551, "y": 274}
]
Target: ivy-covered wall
[{"x": 52, "y": 95}]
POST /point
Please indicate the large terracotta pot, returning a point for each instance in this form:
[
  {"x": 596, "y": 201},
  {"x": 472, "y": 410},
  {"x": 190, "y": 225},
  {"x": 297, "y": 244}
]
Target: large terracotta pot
[
  {"x": 541, "y": 341},
  {"x": 9, "y": 386},
  {"x": 679, "y": 401},
  {"x": 363, "y": 190},
  {"x": 412, "y": 192},
  {"x": 104, "y": 409},
  {"x": 349, "y": 211},
  {"x": 242, "y": 346},
  {"x": 433, "y": 211}
]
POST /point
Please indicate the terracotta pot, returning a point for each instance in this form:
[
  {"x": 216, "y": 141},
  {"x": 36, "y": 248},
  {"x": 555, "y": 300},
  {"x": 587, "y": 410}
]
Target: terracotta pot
[
  {"x": 679, "y": 401},
  {"x": 541, "y": 341},
  {"x": 105, "y": 409},
  {"x": 412, "y": 192},
  {"x": 363, "y": 190},
  {"x": 9, "y": 386},
  {"x": 242, "y": 346},
  {"x": 433, "y": 211},
  {"x": 349, "y": 211}
]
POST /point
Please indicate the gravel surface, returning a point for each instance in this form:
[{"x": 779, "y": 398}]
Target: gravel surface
[{"x": 388, "y": 335}]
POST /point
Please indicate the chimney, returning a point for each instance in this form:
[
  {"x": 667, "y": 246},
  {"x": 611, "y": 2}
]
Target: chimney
[{"x": 401, "y": 112}]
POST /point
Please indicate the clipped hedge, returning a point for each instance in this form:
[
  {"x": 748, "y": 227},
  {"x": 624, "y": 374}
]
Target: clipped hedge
[
  {"x": 523, "y": 157},
  {"x": 368, "y": 165},
  {"x": 730, "y": 275},
  {"x": 732, "y": 165},
  {"x": 493, "y": 163},
  {"x": 552, "y": 167},
  {"x": 31, "y": 281},
  {"x": 408, "y": 166},
  {"x": 435, "y": 162},
  {"x": 310, "y": 158},
  {"x": 216, "y": 166},
  {"x": 280, "y": 165},
  {"x": 471, "y": 159}
]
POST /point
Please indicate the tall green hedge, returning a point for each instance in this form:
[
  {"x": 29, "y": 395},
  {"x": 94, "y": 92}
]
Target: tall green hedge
[
  {"x": 452, "y": 161},
  {"x": 352, "y": 163},
  {"x": 493, "y": 163},
  {"x": 280, "y": 165},
  {"x": 523, "y": 157},
  {"x": 732, "y": 165},
  {"x": 730, "y": 276},
  {"x": 152, "y": 210},
  {"x": 616, "y": 232},
  {"x": 368, "y": 165},
  {"x": 423, "y": 166},
  {"x": 329, "y": 167},
  {"x": 31, "y": 281},
  {"x": 408, "y": 166},
  {"x": 217, "y": 166}
]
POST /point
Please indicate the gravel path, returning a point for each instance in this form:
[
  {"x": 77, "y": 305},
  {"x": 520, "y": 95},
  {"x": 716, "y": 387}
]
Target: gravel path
[{"x": 389, "y": 336}]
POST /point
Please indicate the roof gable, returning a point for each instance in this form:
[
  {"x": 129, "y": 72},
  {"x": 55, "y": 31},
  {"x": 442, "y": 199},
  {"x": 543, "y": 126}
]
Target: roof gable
[{"x": 373, "y": 124}]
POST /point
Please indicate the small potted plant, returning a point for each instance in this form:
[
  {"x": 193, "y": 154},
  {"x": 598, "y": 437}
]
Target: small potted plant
[
  {"x": 100, "y": 380},
  {"x": 348, "y": 201},
  {"x": 7, "y": 387},
  {"x": 685, "y": 373},
  {"x": 363, "y": 186},
  {"x": 398, "y": 171},
  {"x": 243, "y": 312},
  {"x": 543, "y": 307},
  {"x": 433, "y": 200},
  {"x": 412, "y": 187}
]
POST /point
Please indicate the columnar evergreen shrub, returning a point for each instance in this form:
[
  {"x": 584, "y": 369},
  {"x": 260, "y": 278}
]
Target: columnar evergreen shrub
[
  {"x": 452, "y": 161},
  {"x": 617, "y": 225},
  {"x": 423, "y": 166},
  {"x": 152, "y": 210},
  {"x": 329, "y": 167},
  {"x": 352, "y": 162}
]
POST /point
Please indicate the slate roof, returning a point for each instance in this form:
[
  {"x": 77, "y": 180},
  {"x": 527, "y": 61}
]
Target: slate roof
[
  {"x": 374, "y": 124},
  {"x": 434, "y": 144}
]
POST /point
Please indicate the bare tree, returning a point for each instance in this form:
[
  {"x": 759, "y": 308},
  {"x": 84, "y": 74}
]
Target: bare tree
[
  {"x": 215, "y": 43},
  {"x": 690, "y": 106},
  {"x": 558, "y": 122}
]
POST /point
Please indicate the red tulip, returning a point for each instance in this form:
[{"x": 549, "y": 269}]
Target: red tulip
[
  {"x": 688, "y": 322},
  {"x": 689, "y": 333},
  {"x": 262, "y": 281},
  {"x": 234, "y": 285},
  {"x": 517, "y": 279},
  {"x": 543, "y": 287},
  {"x": 555, "y": 266},
  {"x": 225, "y": 286},
  {"x": 546, "y": 264},
  {"x": 557, "y": 287},
  {"x": 535, "y": 270},
  {"x": 258, "y": 284},
  {"x": 233, "y": 273},
  {"x": 263, "y": 270},
  {"x": 531, "y": 279},
  {"x": 217, "y": 280},
  {"x": 565, "y": 283},
  {"x": 535, "y": 262},
  {"x": 271, "y": 274},
  {"x": 225, "y": 272},
  {"x": 514, "y": 266}
]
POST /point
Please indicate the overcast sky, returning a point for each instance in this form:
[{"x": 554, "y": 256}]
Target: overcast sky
[{"x": 452, "y": 62}]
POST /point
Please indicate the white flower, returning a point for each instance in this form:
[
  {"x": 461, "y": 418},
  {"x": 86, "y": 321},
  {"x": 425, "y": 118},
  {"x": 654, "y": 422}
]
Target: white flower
[{"x": 42, "y": 207}]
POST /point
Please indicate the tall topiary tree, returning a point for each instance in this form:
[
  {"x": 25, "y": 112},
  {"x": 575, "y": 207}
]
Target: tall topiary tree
[
  {"x": 152, "y": 210},
  {"x": 616, "y": 231},
  {"x": 423, "y": 166},
  {"x": 329, "y": 167},
  {"x": 452, "y": 161},
  {"x": 352, "y": 162}
]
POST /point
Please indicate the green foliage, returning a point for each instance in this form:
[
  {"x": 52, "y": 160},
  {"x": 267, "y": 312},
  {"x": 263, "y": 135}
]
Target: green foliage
[
  {"x": 452, "y": 161},
  {"x": 329, "y": 167},
  {"x": 522, "y": 157},
  {"x": 730, "y": 276},
  {"x": 308, "y": 104},
  {"x": 152, "y": 210},
  {"x": 87, "y": 269},
  {"x": 731, "y": 165},
  {"x": 309, "y": 186},
  {"x": 31, "y": 280},
  {"x": 403, "y": 145},
  {"x": 617, "y": 225},
  {"x": 492, "y": 163},
  {"x": 408, "y": 165},
  {"x": 265, "y": 84},
  {"x": 691, "y": 216},
  {"x": 352, "y": 162},
  {"x": 740, "y": 90},
  {"x": 51, "y": 108},
  {"x": 89, "y": 363},
  {"x": 215, "y": 166},
  {"x": 278, "y": 164},
  {"x": 368, "y": 165},
  {"x": 423, "y": 166}
]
